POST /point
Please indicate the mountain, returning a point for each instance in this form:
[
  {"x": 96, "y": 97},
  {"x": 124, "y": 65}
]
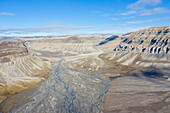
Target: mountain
[
  {"x": 137, "y": 64},
  {"x": 19, "y": 69},
  {"x": 148, "y": 47}
]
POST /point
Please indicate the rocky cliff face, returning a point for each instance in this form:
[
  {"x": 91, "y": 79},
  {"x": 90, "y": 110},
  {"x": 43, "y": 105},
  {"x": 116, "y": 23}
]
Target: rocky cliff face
[
  {"x": 19, "y": 69},
  {"x": 11, "y": 48},
  {"x": 148, "y": 47}
]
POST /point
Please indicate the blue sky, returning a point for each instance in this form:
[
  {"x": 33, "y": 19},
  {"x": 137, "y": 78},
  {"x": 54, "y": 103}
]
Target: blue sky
[{"x": 63, "y": 17}]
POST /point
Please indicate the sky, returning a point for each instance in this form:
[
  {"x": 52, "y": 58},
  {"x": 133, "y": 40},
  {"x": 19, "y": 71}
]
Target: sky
[{"x": 70, "y": 17}]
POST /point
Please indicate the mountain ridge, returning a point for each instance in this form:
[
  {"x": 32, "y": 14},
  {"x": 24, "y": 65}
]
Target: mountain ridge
[{"x": 148, "y": 44}]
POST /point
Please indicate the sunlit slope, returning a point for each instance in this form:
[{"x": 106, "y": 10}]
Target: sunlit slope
[
  {"x": 148, "y": 47},
  {"x": 19, "y": 69}
]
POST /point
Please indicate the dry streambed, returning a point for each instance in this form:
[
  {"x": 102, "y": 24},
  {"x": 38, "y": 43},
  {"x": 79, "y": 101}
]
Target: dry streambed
[{"x": 69, "y": 89}]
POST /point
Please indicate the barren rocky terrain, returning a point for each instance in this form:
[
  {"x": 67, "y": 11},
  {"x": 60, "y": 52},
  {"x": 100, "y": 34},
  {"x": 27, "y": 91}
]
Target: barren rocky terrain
[
  {"x": 19, "y": 69},
  {"x": 137, "y": 64}
]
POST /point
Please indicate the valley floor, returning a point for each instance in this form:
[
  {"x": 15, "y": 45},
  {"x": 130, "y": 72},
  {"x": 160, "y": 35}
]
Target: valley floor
[{"x": 131, "y": 90}]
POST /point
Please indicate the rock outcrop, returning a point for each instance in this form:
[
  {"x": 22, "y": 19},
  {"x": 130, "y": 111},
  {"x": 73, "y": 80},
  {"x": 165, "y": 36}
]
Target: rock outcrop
[
  {"x": 19, "y": 69},
  {"x": 148, "y": 47},
  {"x": 11, "y": 48}
]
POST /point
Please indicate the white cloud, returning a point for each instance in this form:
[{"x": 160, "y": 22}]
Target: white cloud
[
  {"x": 129, "y": 13},
  {"x": 119, "y": 30},
  {"x": 105, "y": 15},
  {"x": 150, "y": 20},
  {"x": 161, "y": 10},
  {"x": 167, "y": 18},
  {"x": 158, "y": 10},
  {"x": 45, "y": 29},
  {"x": 140, "y": 4},
  {"x": 144, "y": 12},
  {"x": 114, "y": 19},
  {"x": 140, "y": 8},
  {"x": 138, "y": 22},
  {"x": 7, "y": 14}
]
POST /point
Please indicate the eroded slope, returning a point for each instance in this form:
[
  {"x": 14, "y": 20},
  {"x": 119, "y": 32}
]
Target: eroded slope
[
  {"x": 149, "y": 47},
  {"x": 19, "y": 69}
]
